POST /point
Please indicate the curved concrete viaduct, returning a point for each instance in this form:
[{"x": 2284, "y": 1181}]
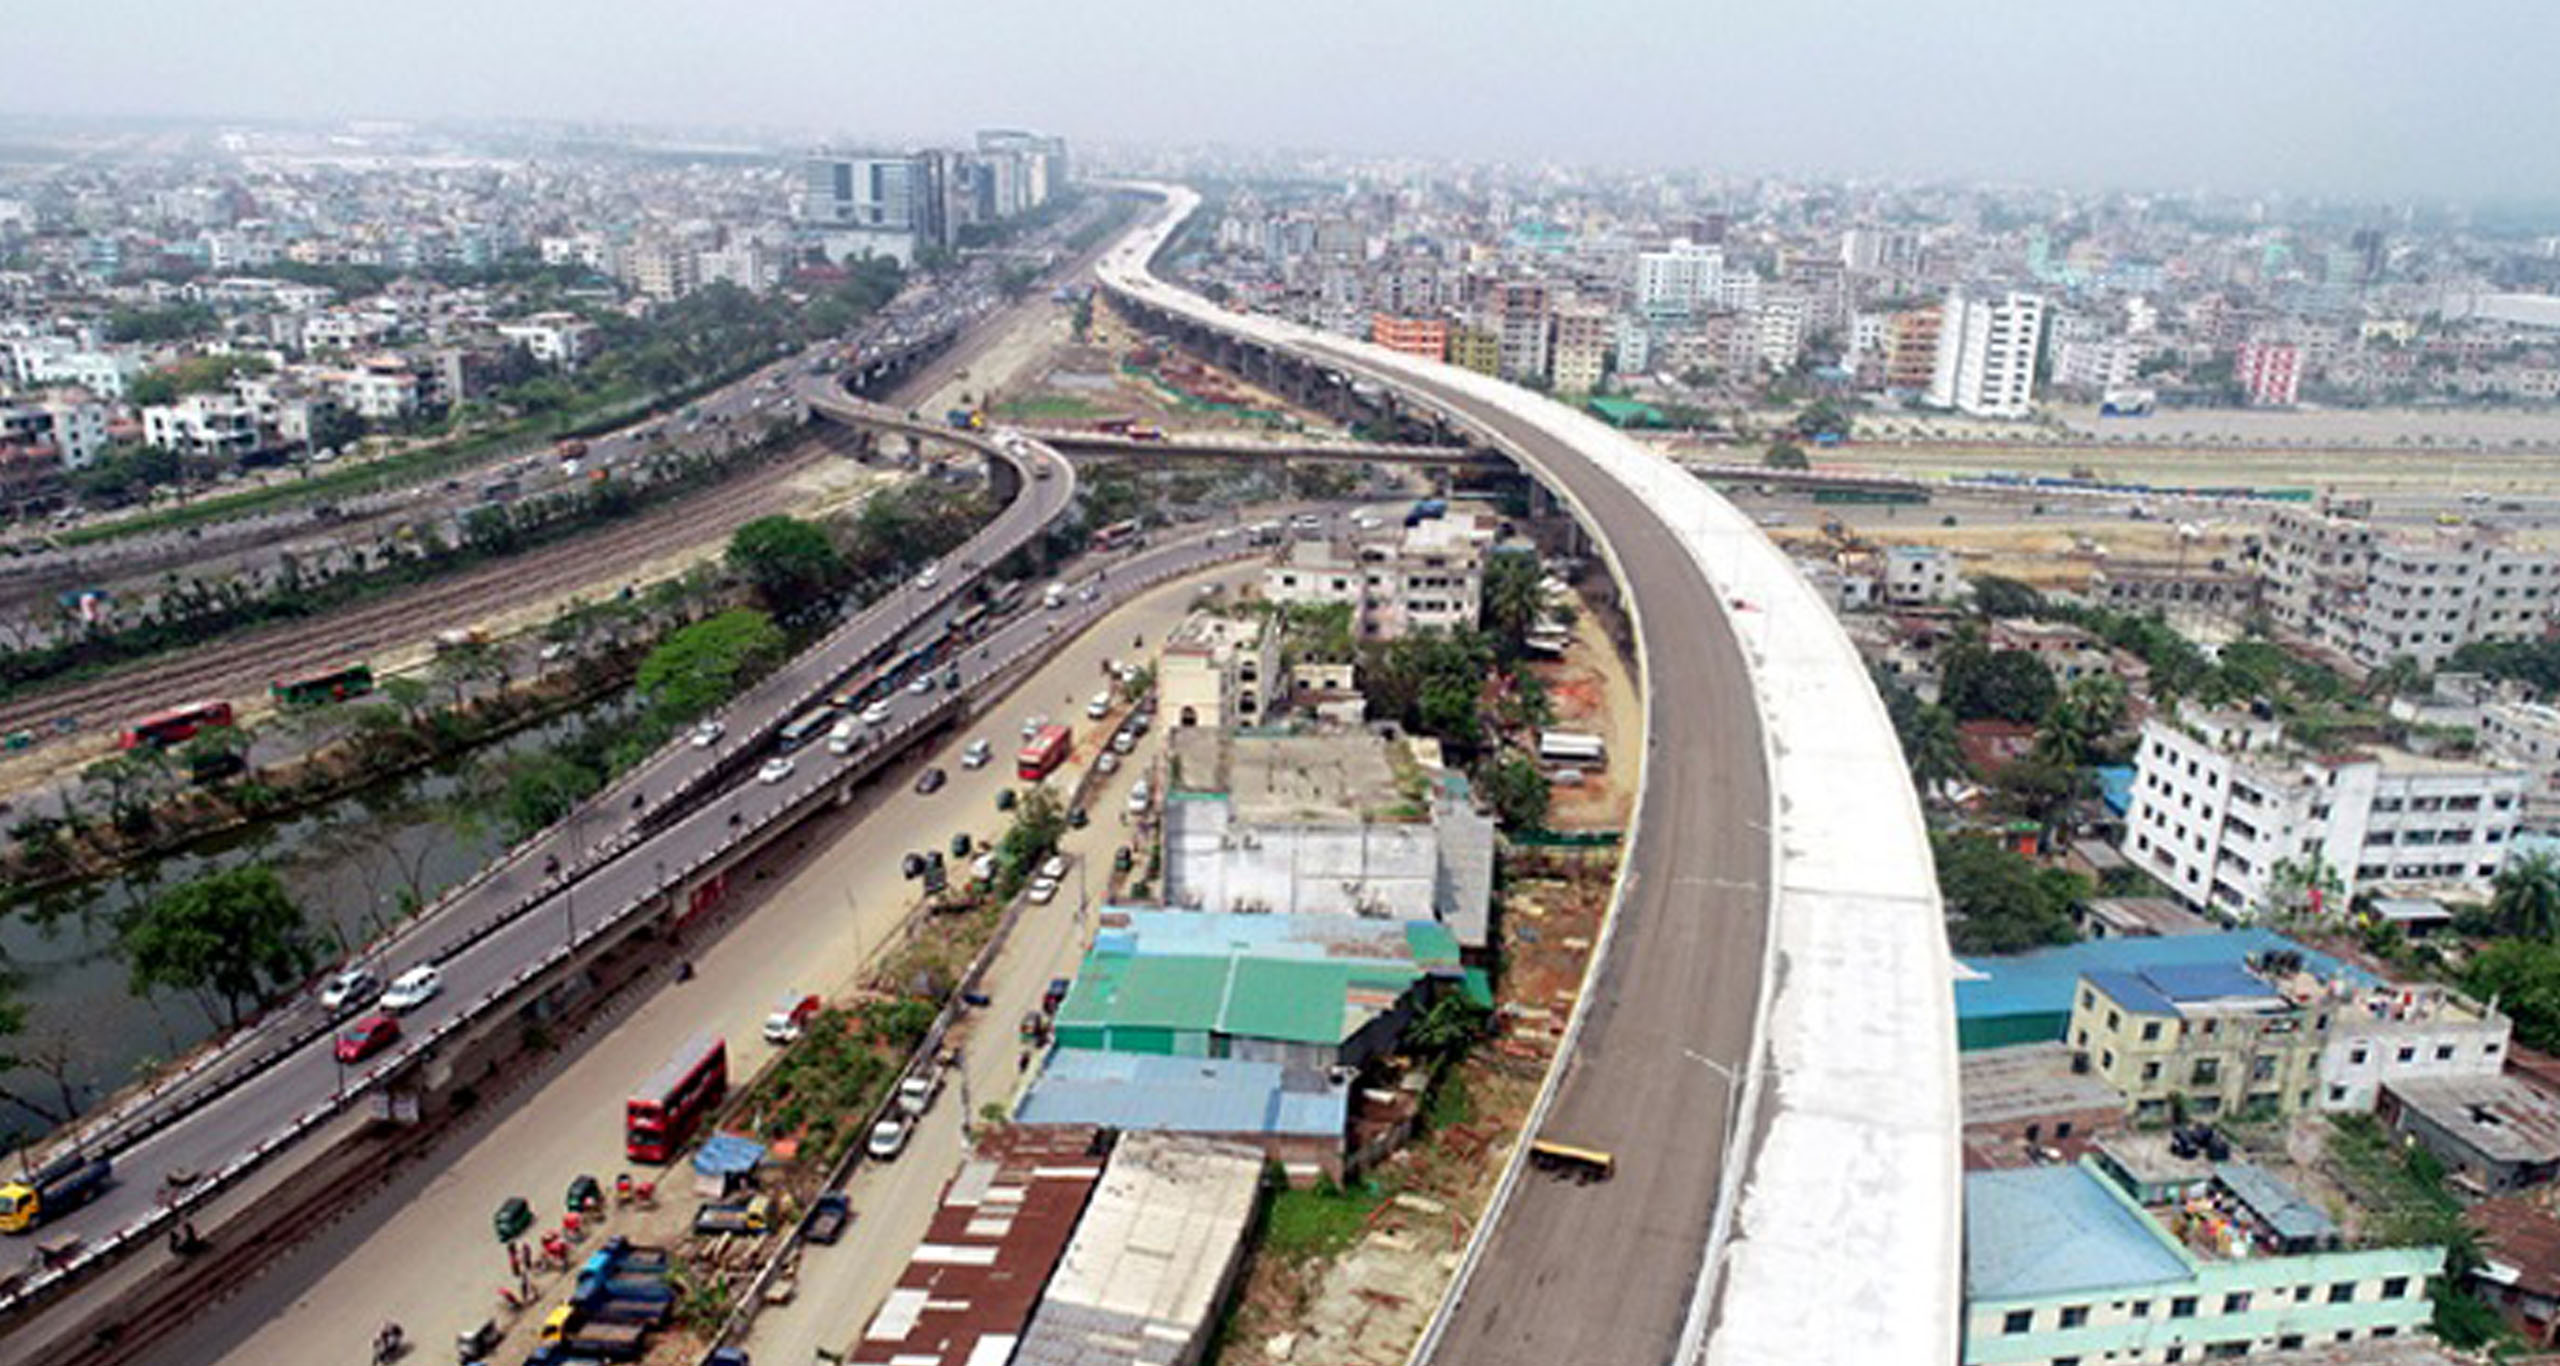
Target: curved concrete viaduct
[{"x": 1766, "y": 1035}]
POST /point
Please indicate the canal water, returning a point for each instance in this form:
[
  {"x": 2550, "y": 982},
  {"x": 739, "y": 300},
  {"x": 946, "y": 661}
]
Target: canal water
[{"x": 354, "y": 865}]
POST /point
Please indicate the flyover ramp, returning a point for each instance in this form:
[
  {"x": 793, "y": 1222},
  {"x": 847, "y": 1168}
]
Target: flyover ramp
[{"x": 1779, "y": 859}]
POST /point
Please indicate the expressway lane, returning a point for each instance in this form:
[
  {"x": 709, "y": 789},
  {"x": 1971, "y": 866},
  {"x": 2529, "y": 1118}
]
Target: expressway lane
[
  {"x": 1605, "y": 1272},
  {"x": 1609, "y": 1272}
]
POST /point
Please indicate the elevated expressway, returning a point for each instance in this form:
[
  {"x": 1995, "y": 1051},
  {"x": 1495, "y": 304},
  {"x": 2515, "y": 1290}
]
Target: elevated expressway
[
  {"x": 1765, "y": 1038},
  {"x": 635, "y": 860}
]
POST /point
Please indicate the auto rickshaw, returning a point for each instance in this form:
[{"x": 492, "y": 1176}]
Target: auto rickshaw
[
  {"x": 475, "y": 1345},
  {"x": 586, "y": 1194},
  {"x": 513, "y": 1218}
]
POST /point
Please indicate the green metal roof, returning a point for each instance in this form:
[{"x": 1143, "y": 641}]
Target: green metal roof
[{"x": 1279, "y": 992}]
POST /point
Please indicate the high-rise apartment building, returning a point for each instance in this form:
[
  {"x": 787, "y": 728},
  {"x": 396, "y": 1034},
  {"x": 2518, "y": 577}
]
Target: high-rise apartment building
[
  {"x": 1911, "y": 349},
  {"x": 1424, "y": 337},
  {"x": 1521, "y": 327},
  {"x": 1581, "y": 358},
  {"x": 1986, "y": 363},
  {"x": 1678, "y": 281},
  {"x": 2270, "y": 373},
  {"x": 2376, "y": 595},
  {"x": 2228, "y": 814}
]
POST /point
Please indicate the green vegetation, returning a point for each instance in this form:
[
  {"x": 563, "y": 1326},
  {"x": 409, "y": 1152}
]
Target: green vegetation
[
  {"x": 790, "y": 563},
  {"x": 2526, "y": 899},
  {"x": 2403, "y": 1189},
  {"x": 175, "y": 322},
  {"x": 233, "y": 940},
  {"x": 2524, "y": 977},
  {"x": 821, "y": 1086},
  {"x": 1039, "y": 822},
  {"x": 1053, "y": 406},
  {"x": 1980, "y": 684},
  {"x": 2532, "y": 662},
  {"x": 1514, "y": 600},
  {"x": 1318, "y": 1221},
  {"x": 1517, "y": 790},
  {"x": 702, "y": 665},
  {"x": 1999, "y": 901},
  {"x": 1785, "y": 455},
  {"x": 195, "y": 375}
]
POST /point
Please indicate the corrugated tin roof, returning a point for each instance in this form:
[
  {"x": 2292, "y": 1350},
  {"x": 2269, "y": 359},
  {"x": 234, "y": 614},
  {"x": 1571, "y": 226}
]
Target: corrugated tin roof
[
  {"x": 1137, "y": 1091},
  {"x": 987, "y": 1254},
  {"x": 2031, "y": 1232},
  {"x": 1299, "y": 979},
  {"x": 1140, "y": 1285},
  {"x": 2504, "y": 1119},
  {"x": 2293, "y": 1218},
  {"x": 2042, "y": 982}
]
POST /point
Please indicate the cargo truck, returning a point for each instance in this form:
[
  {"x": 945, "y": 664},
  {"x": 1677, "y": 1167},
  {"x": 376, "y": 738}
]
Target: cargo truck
[{"x": 563, "y": 1329}]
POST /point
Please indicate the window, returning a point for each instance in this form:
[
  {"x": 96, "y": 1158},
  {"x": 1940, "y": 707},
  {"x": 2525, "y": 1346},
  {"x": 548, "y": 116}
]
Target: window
[
  {"x": 2356, "y": 1055},
  {"x": 2288, "y": 1341},
  {"x": 2062, "y": 1130},
  {"x": 2408, "y": 1053},
  {"x": 2176, "y": 1354},
  {"x": 2237, "y": 1302},
  {"x": 2344, "y": 1292},
  {"x": 2140, "y": 1309},
  {"x": 2182, "y": 1307},
  {"x": 2075, "y": 1316},
  {"x": 2395, "y": 1288},
  {"x": 2302, "y": 1294},
  {"x": 2018, "y": 1321},
  {"x": 2444, "y": 1052},
  {"x": 2151, "y": 1071},
  {"x": 2151, "y": 1031},
  {"x": 2207, "y": 1071}
]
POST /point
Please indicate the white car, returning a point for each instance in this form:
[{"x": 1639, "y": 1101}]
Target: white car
[
  {"x": 978, "y": 753},
  {"x": 1138, "y": 796},
  {"x": 1031, "y": 725},
  {"x": 1043, "y": 891},
  {"x": 888, "y": 1139},
  {"x": 350, "y": 989},
  {"x": 845, "y": 738},
  {"x": 708, "y": 734},
  {"x": 775, "y": 770},
  {"x": 926, "y": 580},
  {"x": 916, "y": 1093},
  {"x": 1099, "y": 707},
  {"x": 1106, "y": 763},
  {"x": 1055, "y": 868},
  {"x": 922, "y": 685},
  {"x": 876, "y": 714},
  {"x": 1123, "y": 741},
  {"x": 412, "y": 989}
]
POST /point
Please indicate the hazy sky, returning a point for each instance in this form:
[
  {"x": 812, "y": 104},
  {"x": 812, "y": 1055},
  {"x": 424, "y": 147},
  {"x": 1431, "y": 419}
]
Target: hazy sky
[{"x": 2385, "y": 97}]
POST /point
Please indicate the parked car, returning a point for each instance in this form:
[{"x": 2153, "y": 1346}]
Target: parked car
[
  {"x": 827, "y": 1220},
  {"x": 1055, "y": 868},
  {"x": 977, "y": 754},
  {"x": 912, "y": 866},
  {"x": 1123, "y": 741},
  {"x": 791, "y": 1016},
  {"x": 1099, "y": 707},
  {"x": 412, "y": 989},
  {"x": 1106, "y": 762},
  {"x": 1138, "y": 796},
  {"x": 1005, "y": 799},
  {"x": 350, "y": 989},
  {"x": 366, "y": 1037},
  {"x": 888, "y": 1139},
  {"x": 1043, "y": 891},
  {"x": 775, "y": 769},
  {"x": 930, "y": 781},
  {"x": 917, "y": 1090}
]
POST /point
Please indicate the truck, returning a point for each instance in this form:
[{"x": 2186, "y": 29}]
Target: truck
[
  {"x": 460, "y": 639},
  {"x": 1426, "y": 510},
  {"x": 563, "y": 1328},
  {"x": 965, "y": 419},
  {"x": 605, "y": 1305},
  {"x": 64, "y": 1185},
  {"x": 827, "y": 1219},
  {"x": 622, "y": 1254},
  {"x": 734, "y": 1216}
]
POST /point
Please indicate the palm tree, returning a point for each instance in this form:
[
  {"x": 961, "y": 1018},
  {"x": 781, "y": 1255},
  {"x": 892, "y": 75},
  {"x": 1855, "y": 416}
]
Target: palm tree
[
  {"x": 1936, "y": 759},
  {"x": 2527, "y": 897}
]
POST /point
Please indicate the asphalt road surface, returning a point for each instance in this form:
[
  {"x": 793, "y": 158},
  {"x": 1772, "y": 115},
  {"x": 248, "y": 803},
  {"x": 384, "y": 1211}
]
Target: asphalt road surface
[
  {"x": 831, "y": 907},
  {"x": 1605, "y": 1272}
]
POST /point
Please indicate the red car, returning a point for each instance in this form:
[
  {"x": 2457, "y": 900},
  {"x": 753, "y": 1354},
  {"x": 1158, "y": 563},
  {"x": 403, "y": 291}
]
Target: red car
[{"x": 368, "y": 1036}]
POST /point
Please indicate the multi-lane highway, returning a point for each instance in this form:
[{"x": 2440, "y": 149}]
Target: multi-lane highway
[{"x": 277, "y": 1080}]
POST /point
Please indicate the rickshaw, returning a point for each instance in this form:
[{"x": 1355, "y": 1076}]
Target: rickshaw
[{"x": 513, "y": 1218}]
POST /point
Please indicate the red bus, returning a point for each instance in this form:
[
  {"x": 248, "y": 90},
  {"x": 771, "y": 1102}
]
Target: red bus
[
  {"x": 176, "y": 725},
  {"x": 1049, "y": 748},
  {"x": 1116, "y": 535},
  {"x": 662, "y": 1113}
]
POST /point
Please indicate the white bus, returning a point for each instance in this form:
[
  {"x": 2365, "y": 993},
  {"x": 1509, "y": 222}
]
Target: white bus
[{"x": 1572, "y": 747}]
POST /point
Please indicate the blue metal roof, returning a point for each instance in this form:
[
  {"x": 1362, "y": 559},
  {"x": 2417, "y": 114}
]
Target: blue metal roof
[
  {"x": 728, "y": 1155},
  {"x": 2039, "y": 1231},
  {"x": 2134, "y": 992},
  {"x": 2042, "y": 982},
  {"x": 2115, "y": 787},
  {"x": 1184, "y": 1095},
  {"x": 2294, "y": 1219},
  {"x": 2206, "y": 981}
]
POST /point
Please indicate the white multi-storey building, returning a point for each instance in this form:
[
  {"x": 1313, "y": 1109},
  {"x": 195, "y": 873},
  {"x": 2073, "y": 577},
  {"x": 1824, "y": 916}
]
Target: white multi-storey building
[
  {"x": 2424, "y": 593},
  {"x": 203, "y": 426},
  {"x": 40, "y": 362},
  {"x": 1428, "y": 577},
  {"x": 2397, "y": 1033},
  {"x": 71, "y": 422},
  {"x": 2222, "y": 806},
  {"x": 1986, "y": 363},
  {"x": 556, "y": 339},
  {"x": 1219, "y": 671},
  {"x": 1919, "y": 575},
  {"x": 1678, "y": 281}
]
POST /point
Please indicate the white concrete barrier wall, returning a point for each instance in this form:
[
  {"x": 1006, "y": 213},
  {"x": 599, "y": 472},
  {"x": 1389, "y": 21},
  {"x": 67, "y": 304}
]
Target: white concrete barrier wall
[{"x": 1846, "y": 1224}]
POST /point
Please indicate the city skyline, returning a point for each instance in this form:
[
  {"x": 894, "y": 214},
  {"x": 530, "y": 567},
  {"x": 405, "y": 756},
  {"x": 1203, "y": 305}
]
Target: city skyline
[{"x": 2285, "y": 98}]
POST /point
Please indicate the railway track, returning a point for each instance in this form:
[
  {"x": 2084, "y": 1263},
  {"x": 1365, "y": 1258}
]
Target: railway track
[{"x": 246, "y": 663}]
